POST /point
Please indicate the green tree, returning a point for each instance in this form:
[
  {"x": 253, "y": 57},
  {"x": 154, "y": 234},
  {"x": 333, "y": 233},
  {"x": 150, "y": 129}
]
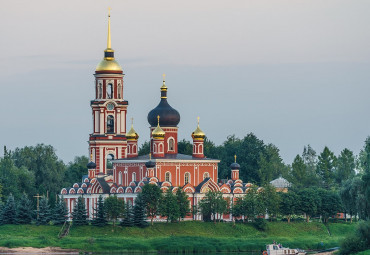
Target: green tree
[
  {"x": 310, "y": 159},
  {"x": 345, "y": 166},
  {"x": 75, "y": 170},
  {"x": 253, "y": 204},
  {"x": 169, "y": 207},
  {"x": 9, "y": 211},
  {"x": 60, "y": 212},
  {"x": 100, "y": 215},
  {"x": 114, "y": 208},
  {"x": 24, "y": 211},
  {"x": 183, "y": 203},
  {"x": 79, "y": 214},
  {"x": 237, "y": 208},
  {"x": 128, "y": 216},
  {"x": 139, "y": 212},
  {"x": 213, "y": 204},
  {"x": 8, "y": 175},
  {"x": 44, "y": 213},
  {"x": 300, "y": 177},
  {"x": 42, "y": 161},
  {"x": 271, "y": 200},
  {"x": 326, "y": 167},
  {"x": 144, "y": 149},
  {"x": 185, "y": 147},
  {"x": 308, "y": 202},
  {"x": 288, "y": 205},
  {"x": 365, "y": 194},
  {"x": 151, "y": 194},
  {"x": 330, "y": 204},
  {"x": 270, "y": 165}
]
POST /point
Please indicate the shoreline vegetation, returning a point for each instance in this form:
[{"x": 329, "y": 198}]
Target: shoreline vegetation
[{"x": 183, "y": 237}]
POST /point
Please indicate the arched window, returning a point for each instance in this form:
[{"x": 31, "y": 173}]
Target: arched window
[
  {"x": 110, "y": 157},
  {"x": 187, "y": 178},
  {"x": 134, "y": 148},
  {"x": 134, "y": 177},
  {"x": 110, "y": 91},
  {"x": 168, "y": 177},
  {"x": 119, "y": 90},
  {"x": 120, "y": 178},
  {"x": 160, "y": 147},
  {"x": 110, "y": 124},
  {"x": 194, "y": 148},
  {"x": 128, "y": 149},
  {"x": 200, "y": 149},
  {"x": 171, "y": 144},
  {"x": 205, "y": 175},
  {"x": 100, "y": 90},
  {"x": 154, "y": 148}
]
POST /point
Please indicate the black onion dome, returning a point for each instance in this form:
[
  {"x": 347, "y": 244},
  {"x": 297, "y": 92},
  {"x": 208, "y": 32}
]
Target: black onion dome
[
  {"x": 234, "y": 166},
  {"x": 150, "y": 164},
  {"x": 91, "y": 165},
  {"x": 169, "y": 117}
]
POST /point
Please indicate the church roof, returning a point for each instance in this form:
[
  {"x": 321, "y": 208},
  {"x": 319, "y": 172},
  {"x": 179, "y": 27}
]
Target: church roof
[
  {"x": 177, "y": 156},
  {"x": 280, "y": 183}
]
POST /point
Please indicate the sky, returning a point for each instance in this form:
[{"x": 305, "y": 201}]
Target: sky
[{"x": 293, "y": 72}]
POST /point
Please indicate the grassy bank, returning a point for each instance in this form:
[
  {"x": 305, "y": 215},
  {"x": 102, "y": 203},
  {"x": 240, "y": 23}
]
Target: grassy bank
[{"x": 180, "y": 237}]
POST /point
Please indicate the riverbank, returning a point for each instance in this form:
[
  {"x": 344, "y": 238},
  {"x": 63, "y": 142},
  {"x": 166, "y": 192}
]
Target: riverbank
[{"x": 178, "y": 237}]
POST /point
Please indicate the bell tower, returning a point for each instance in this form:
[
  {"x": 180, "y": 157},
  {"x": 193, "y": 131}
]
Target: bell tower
[{"x": 107, "y": 140}]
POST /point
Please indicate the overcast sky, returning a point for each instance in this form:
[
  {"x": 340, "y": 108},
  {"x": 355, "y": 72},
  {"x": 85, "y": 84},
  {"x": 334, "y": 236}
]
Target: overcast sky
[{"x": 294, "y": 72}]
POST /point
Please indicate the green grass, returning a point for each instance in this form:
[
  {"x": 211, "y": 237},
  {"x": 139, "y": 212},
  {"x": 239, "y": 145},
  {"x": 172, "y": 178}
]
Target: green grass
[{"x": 178, "y": 237}]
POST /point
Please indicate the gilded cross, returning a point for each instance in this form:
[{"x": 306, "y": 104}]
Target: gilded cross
[
  {"x": 235, "y": 158},
  {"x": 38, "y": 204},
  {"x": 158, "y": 119},
  {"x": 109, "y": 9},
  {"x": 164, "y": 76},
  {"x": 198, "y": 120},
  {"x": 132, "y": 121}
]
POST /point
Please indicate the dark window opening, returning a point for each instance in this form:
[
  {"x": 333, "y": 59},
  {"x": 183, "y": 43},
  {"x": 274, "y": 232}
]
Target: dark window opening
[
  {"x": 110, "y": 157},
  {"x": 110, "y": 91},
  {"x": 110, "y": 124}
]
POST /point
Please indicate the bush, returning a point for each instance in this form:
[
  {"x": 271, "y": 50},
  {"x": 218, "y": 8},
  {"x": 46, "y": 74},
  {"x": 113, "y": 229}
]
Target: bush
[
  {"x": 357, "y": 242},
  {"x": 260, "y": 224}
]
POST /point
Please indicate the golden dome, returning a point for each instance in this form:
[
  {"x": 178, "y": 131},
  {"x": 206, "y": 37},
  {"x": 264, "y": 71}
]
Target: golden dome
[
  {"x": 158, "y": 132},
  {"x": 132, "y": 135},
  {"x": 108, "y": 65},
  {"x": 198, "y": 134}
]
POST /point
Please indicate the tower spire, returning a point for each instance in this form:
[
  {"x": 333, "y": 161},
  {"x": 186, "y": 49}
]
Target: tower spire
[{"x": 109, "y": 45}]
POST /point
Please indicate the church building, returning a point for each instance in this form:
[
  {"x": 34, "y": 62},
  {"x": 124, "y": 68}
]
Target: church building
[{"x": 117, "y": 169}]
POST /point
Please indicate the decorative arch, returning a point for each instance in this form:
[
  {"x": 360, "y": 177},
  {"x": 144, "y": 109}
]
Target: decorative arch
[
  {"x": 64, "y": 191},
  {"x": 120, "y": 190},
  {"x": 154, "y": 148},
  {"x": 248, "y": 185},
  {"x": 167, "y": 176},
  {"x": 72, "y": 191},
  {"x": 80, "y": 191},
  {"x": 137, "y": 189},
  {"x": 109, "y": 90},
  {"x": 237, "y": 190},
  {"x": 225, "y": 188},
  {"x": 164, "y": 189},
  {"x": 171, "y": 144},
  {"x": 187, "y": 178},
  {"x": 200, "y": 148},
  {"x": 209, "y": 185},
  {"x": 128, "y": 190},
  {"x": 174, "y": 190},
  {"x": 141, "y": 184},
  {"x": 160, "y": 147},
  {"x": 113, "y": 190},
  {"x": 84, "y": 185},
  {"x": 166, "y": 184},
  {"x": 205, "y": 175},
  {"x": 153, "y": 179},
  {"x": 76, "y": 185},
  {"x": 132, "y": 184},
  {"x": 86, "y": 180},
  {"x": 134, "y": 148},
  {"x": 188, "y": 188},
  {"x": 238, "y": 184}
]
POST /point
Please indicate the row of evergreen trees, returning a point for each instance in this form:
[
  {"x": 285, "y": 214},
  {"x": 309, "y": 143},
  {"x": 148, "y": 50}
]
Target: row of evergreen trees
[{"x": 23, "y": 212}]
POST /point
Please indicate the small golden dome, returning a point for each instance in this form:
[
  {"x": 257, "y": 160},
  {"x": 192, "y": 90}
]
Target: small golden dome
[
  {"x": 108, "y": 65},
  {"x": 198, "y": 134},
  {"x": 132, "y": 135},
  {"x": 158, "y": 132}
]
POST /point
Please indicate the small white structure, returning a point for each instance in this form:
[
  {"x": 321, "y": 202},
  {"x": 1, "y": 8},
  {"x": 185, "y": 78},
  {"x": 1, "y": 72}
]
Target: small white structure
[
  {"x": 274, "y": 249},
  {"x": 281, "y": 184}
]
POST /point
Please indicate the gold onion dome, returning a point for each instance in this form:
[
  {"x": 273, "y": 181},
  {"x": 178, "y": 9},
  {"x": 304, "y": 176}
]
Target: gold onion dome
[
  {"x": 198, "y": 134},
  {"x": 158, "y": 132},
  {"x": 132, "y": 135},
  {"x": 108, "y": 63}
]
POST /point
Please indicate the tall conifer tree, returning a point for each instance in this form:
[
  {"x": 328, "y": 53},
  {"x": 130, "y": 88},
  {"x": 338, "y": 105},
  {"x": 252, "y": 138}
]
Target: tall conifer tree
[
  {"x": 24, "y": 211},
  {"x": 79, "y": 214},
  {"x": 44, "y": 212},
  {"x": 100, "y": 217},
  {"x": 139, "y": 212},
  {"x": 60, "y": 212},
  {"x": 128, "y": 216},
  {"x": 9, "y": 211}
]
